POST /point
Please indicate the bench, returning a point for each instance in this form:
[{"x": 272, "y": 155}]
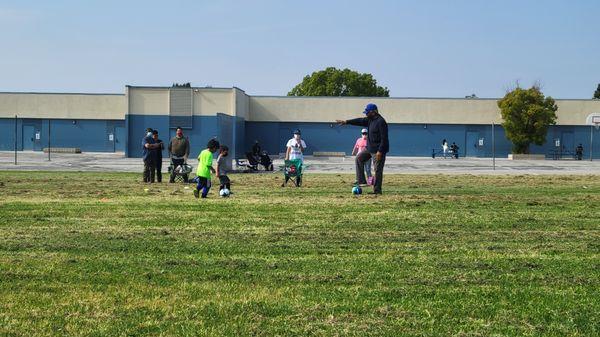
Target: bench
[
  {"x": 328, "y": 154},
  {"x": 440, "y": 153},
  {"x": 63, "y": 150},
  {"x": 564, "y": 154}
]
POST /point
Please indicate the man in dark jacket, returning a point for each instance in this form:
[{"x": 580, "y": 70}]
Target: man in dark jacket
[
  {"x": 156, "y": 154},
  {"x": 378, "y": 145},
  {"x": 148, "y": 145}
]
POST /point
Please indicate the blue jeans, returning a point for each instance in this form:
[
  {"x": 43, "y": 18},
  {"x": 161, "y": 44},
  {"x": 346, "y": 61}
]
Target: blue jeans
[
  {"x": 202, "y": 185},
  {"x": 368, "y": 168}
]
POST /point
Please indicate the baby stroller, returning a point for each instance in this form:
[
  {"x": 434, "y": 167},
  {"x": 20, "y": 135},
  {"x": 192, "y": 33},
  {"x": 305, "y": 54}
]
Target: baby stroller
[
  {"x": 292, "y": 170},
  {"x": 266, "y": 161},
  {"x": 252, "y": 161},
  {"x": 181, "y": 172}
]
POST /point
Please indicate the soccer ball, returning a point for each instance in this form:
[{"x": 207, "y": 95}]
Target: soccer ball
[
  {"x": 356, "y": 190},
  {"x": 224, "y": 193}
]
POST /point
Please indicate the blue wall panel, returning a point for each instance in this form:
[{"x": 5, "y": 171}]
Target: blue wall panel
[
  {"x": 409, "y": 139},
  {"x": 405, "y": 139},
  {"x": 239, "y": 138},
  {"x": 267, "y": 133},
  {"x": 7, "y": 134},
  {"x": 88, "y": 135},
  {"x": 225, "y": 131},
  {"x": 204, "y": 128}
]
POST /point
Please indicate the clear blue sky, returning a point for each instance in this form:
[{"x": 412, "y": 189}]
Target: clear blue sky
[{"x": 415, "y": 48}]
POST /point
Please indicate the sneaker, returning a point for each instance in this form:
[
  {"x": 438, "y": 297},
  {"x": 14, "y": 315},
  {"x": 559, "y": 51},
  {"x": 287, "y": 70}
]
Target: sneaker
[{"x": 196, "y": 193}]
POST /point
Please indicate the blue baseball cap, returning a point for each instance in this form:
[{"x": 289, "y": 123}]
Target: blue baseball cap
[{"x": 370, "y": 107}]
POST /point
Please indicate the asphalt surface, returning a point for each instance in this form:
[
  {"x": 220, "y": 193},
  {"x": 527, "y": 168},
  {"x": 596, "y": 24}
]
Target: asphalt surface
[{"x": 116, "y": 162}]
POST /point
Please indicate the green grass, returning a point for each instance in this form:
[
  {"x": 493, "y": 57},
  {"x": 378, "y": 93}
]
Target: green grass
[{"x": 94, "y": 255}]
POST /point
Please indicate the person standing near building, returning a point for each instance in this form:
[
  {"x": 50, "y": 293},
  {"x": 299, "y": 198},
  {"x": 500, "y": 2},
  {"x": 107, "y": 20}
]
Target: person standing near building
[
  {"x": 361, "y": 146},
  {"x": 179, "y": 151},
  {"x": 445, "y": 147},
  {"x": 579, "y": 152},
  {"x": 378, "y": 145},
  {"x": 157, "y": 156},
  {"x": 295, "y": 147},
  {"x": 148, "y": 144}
]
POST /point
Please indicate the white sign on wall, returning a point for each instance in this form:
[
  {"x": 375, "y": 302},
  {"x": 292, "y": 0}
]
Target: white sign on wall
[
  {"x": 557, "y": 142},
  {"x": 38, "y": 135},
  {"x": 111, "y": 137},
  {"x": 480, "y": 141}
]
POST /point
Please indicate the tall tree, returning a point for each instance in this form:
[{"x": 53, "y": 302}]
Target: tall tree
[
  {"x": 337, "y": 82},
  {"x": 526, "y": 116},
  {"x": 597, "y": 92}
]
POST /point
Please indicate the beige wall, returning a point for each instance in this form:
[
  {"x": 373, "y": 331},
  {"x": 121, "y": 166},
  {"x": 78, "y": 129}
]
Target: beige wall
[
  {"x": 575, "y": 112},
  {"x": 155, "y": 101},
  {"x": 67, "y": 106},
  {"x": 402, "y": 110},
  {"x": 242, "y": 104},
  {"x": 148, "y": 101},
  {"x": 210, "y": 101}
]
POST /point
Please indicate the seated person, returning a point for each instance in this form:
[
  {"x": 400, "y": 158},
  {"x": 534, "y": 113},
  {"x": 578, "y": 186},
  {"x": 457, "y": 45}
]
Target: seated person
[{"x": 454, "y": 149}]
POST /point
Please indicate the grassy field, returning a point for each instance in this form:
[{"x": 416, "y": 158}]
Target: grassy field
[{"x": 93, "y": 254}]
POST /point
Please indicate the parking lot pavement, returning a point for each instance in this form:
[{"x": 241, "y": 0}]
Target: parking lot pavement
[{"x": 116, "y": 162}]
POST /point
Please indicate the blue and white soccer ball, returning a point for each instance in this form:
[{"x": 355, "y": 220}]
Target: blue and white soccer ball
[
  {"x": 356, "y": 190},
  {"x": 224, "y": 193}
]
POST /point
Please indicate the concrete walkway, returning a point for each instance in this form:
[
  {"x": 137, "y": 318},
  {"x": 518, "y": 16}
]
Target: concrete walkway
[{"x": 116, "y": 162}]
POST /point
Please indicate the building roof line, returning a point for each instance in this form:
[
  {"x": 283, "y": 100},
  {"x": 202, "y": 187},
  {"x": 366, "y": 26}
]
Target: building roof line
[
  {"x": 167, "y": 87},
  {"x": 60, "y": 93},
  {"x": 416, "y": 98}
]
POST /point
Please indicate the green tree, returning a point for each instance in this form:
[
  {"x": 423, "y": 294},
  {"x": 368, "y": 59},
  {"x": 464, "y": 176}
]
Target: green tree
[
  {"x": 337, "y": 82},
  {"x": 526, "y": 116},
  {"x": 597, "y": 92}
]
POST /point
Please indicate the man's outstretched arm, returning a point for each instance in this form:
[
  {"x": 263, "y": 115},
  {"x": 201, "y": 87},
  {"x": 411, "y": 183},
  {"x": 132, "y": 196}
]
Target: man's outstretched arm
[{"x": 355, "y": 121}]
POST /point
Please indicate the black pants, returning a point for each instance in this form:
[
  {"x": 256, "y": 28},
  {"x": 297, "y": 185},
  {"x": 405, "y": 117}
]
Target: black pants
[
  {"x": 361, "y": 159},
  {"x": 149, "y": 170},
  {"x": 158, "y": 169},
  {"x": 224, "y": 182},
  {"x": 177, "y": 162}
]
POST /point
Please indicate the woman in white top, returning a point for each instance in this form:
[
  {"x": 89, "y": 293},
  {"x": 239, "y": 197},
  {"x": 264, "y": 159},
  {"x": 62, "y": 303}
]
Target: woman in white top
[
  {"x": 445, "y": 147},
  {"x": 295, "y": 147}
]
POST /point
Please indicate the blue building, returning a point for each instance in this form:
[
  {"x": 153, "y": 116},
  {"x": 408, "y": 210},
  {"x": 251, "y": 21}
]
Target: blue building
[{"x": 116, "y": 122}]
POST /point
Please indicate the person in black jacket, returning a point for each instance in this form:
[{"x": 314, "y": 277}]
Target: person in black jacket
[
  {"x": 156, "y": 155},
  {"x": 378, "y": 145}
]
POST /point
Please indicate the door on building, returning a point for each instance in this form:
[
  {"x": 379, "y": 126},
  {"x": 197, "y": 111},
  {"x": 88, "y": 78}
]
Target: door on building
[
  {"x": 28, "y": 137},
  {"x": 110, "y": 141},
  {"x": 567, "y": 142},
  {"x": 472, "y": 145}
]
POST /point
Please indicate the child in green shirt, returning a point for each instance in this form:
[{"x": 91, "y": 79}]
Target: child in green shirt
[{"x": 205, "y": 160}]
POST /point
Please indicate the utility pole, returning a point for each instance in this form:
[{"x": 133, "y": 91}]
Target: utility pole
[
  {"x": 48, "y": 139},
  {"x": 15, "y": 139},
  {"x": 493, "y": 148}
]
